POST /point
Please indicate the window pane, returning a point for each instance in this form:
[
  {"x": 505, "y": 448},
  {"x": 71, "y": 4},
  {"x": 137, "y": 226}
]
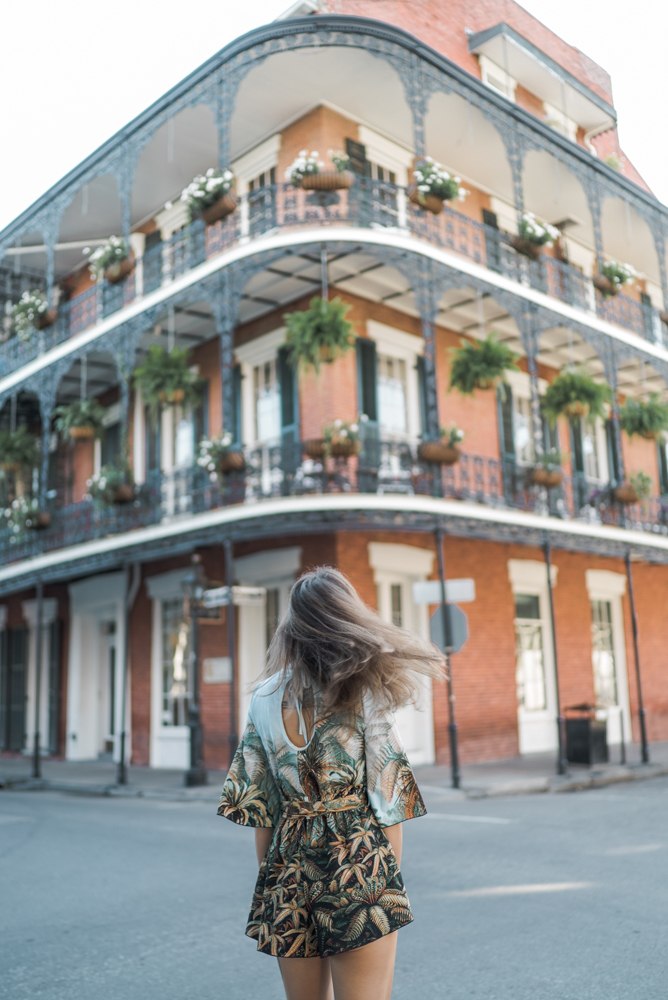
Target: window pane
[
  {"x": 592, "y": 463},
  {"x": 175, "y": 657},
  {"x": 524, "y": 450},
  {"x": 267, "y": 402},
  {"x": 603, "y": 654},
  {"x": 392, "y": 395},
  {"x": 530, "y": 654}
]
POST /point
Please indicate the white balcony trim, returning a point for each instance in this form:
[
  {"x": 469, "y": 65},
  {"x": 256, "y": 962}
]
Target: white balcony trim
[
  {"x": 315, "y": 234},
  {"x": 401, "y": 504}
]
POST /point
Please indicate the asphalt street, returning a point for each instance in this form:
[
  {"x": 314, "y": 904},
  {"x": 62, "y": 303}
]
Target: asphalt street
[{"x": 545, "y": 897}]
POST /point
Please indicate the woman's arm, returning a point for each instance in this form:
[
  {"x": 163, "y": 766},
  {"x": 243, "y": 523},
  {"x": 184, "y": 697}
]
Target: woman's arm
[
  {"x": 395, "y": 836},
  {"x": 263, "y": 835}
]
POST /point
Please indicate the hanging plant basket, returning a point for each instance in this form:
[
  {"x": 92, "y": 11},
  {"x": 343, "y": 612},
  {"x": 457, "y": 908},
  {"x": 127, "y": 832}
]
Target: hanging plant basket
[
  {"x": 344, "y": 449},
  {"x": 578, "y": 408},
  {"x": 220, "y": 209},
  {"x": 428, "y": 202},
  {"x": 39, "y": 521},
  {"x": 548, "y": 478},
  {"x": 439, "y": 452},
  {"x": 232, "y": 461},
  {"x": 10, "y": 466},
  {"x": 328, "y": 180},
  {"x": 528, "y": 248},
  {"x": 119, "y": 270},
  {"x": 480, "y": 364},
  {"x": 604, "y": 285},
  {"x": 625, "y": 493},
  {"x": 172, "y": 397},
  {"x": 124, "y": 493},
  {"x": 315, "y": 448},
  {"x": 83, "y": 433}
]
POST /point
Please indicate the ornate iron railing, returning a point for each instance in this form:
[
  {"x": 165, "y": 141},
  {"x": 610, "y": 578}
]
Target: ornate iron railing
[
  {"x": 285, "y": 470},
  {"x": 369, "y": 204}
]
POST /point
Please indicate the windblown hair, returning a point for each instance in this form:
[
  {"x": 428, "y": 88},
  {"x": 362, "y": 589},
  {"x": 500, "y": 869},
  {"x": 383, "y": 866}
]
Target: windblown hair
[{"x": 330, "y": 641}]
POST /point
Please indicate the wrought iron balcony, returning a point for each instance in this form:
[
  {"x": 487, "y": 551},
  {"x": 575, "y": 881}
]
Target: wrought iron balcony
[
  {"x": 284, "y": 470},
  {"x": 369, "y": 204}
]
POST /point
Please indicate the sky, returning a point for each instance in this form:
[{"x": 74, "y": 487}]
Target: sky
[{"x": 73, "y": 72}]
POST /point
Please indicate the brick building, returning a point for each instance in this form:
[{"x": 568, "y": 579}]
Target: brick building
[{"x": 528, "y": 124}]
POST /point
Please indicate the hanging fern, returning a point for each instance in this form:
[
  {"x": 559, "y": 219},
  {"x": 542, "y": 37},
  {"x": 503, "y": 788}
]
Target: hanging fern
[
  {"x": 646, "y": 418},
  {"x": 165, "y": 378},
  {"x": 575, "y": 394},
  {"x": 320, "y": 334},
  {"x": 480, "y": 365}
]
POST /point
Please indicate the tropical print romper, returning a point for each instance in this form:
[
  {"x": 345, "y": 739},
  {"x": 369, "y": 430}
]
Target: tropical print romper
[{"x": 329, "y": 881}]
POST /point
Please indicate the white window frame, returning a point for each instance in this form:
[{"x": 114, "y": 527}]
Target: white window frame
[
  {"x": 390, "y": 155},
  {"x": 407, "y": 348},
  {"x": 605, "y": 585},
  {"x": 247, "y": 167},
  {"x": 112, "y": 415},
  {"x": 249, "y": 356},
  {"x": 560, "y": 121},
  {"x": 497, "y": 79},
  {"x": 520, "y": 386},
  {"x": 169, "y": 745},
  {"x": 602, "y": 451},
  {"x": 406, "y": 565}
]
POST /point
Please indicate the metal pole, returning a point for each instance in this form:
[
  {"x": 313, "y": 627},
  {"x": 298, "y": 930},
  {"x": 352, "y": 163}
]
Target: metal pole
[
  {"x": 452, "y": 725},
  {"x": 644, "y": 745},
  {"x": 231, "y": 645},
  {"x": 196, "y": 773},
  {"x": 562, "y": 764},
  {"x": 36, "y": 764},
  {"x": 131, "y": 588}
]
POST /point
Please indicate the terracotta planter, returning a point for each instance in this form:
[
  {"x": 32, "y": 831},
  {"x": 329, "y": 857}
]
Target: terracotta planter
[
  {"x": 604, "y": 285},
  {"x": 576, "y": 409},
  {"x": 426, "y": 201},
  {"x": 625, "y": 493},
  {"x": 344, "y": 449},
  {"x": 233, "y": 461},
  {"x": 46, "y": 319},
  {"x": 119, "y": 270},
  {"x": 40, "y": 521},
  {"x": 328, "y": 180},
  {"x": 125, "y": 493},
  {"x": 484, "y": 384},
  {"x": 438, "y": 452},
  {"x": 82, "y": 433},
  {"x": 549, "y": 478},
  {"x": 10, "y": 466},
  {"x": 526, "y": 247},
  {"x": 172, "y": 397},
  {"x": 219, "y": 209},
  {"x": 315, "y": 448},
  {"x": 650, "y": 435}
]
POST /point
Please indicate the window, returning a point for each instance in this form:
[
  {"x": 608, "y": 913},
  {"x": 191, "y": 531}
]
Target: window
[
  {"x": 524, "y": 445},
  {"x": 560, "y": 122},
  {"x": 266, "y": 402},
  {"x": 262, "y": 200},
  {"x": 592, "y": 436},
  {"x": 496, "y": 78},
  {"x": 397, "y": 388},
  {"x": 392, "y": 378},
  {"x": 603, "y": 654},
  {"x": 530, "y": 653},
  {"x": 175, "y": 665}
]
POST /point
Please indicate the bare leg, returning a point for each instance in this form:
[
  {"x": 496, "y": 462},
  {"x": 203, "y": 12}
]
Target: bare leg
[
  {"x": 367, "y": 972},
  {"x": 306, "y": 978}
]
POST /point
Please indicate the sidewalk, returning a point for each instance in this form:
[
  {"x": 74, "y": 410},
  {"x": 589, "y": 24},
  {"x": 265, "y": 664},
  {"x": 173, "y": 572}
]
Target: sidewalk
[{"x": 514, "y": 776}]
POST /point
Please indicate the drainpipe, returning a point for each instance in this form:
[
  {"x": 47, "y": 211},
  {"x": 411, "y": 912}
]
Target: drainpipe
[
  {"x": 561, "y": 759},
  {"x": 36, "y": 764},
  {"x": 452, "y": 725},
  {"x": 636, "y": 656},
  {"x": 231, "y": 644}
]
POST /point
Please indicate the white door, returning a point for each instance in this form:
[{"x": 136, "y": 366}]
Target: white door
[{"x": 534, "y": 663}]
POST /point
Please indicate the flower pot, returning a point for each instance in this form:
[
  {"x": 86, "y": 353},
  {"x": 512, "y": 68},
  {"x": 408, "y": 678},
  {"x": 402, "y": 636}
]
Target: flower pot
[
  {"x": 549, "y": 478},
  {"x": 430, "y": 202},
  {"x": 315, "y": 448},
  {"x": 625, "y": 493},
  {"x": 344, "y": 449},
  {"x": 39, "y": 521},
  {"x": 10, "y": 466},
  {"x": 650, "y": 435},
  {"x": 83, "y": 433},
  {"x": 125, "y": 493},
  {"x": 172, "y": 397},
  {"x": 526, "y": 247},
  {"x": 224, "y": 206},
  {"x": 604, "y": 285},
  {"x": 232, "y": 461},
  {"x": 577, "y": 408},
  {"x": 46, "y": 319},
  {"x": 119, "y": 270},
  {"x": 438, "y": 452},
  {"x": 489, "y": 383},
  {"x": 328, "y": 180}
]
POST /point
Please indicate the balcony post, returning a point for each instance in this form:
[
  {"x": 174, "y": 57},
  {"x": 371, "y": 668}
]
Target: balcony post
[
  {"x": 594, "y": 198},
  {"x": 427, "y": 303},
  {"x": 660, "y": 244},
  {"x": 47, "y": 402},
  {"x": 530, "y": 343},
  {"x": 223, "y": 111},
  {"x": 417, "y": 95},
  {"x": 515, "y": 151},
  {"x": 610, "y": 368},
  {"x": 224, "y": 316}
]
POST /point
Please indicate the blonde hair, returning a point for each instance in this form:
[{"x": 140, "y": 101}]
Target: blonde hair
[{"x": 330, "y": 640}]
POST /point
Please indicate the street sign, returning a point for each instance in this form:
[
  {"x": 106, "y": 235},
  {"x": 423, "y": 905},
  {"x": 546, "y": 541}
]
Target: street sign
[
  {"x": 456, "y": 591},
  {"x": 219, "y": 597},
  {"x": 456, "y": 632}
]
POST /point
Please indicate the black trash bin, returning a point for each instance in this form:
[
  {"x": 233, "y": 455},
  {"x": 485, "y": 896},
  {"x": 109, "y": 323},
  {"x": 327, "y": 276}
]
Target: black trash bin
[{"x": 586, "y": 736}]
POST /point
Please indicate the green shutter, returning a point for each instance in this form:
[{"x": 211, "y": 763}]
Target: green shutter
[
  {"x": 287, "y": 380},
  {"x": 422, "y": 395},
  {"x": 611, "y": 449},
  {"x": 367, "y": 378}
]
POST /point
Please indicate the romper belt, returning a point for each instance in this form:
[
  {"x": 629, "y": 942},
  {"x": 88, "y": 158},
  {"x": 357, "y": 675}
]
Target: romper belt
[{"x": 308, "y": 809}]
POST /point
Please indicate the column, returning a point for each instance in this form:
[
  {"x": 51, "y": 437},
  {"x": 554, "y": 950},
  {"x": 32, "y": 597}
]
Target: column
[
  {"x": 49, "y": 613},
  {"x": 610, "y": 367}
]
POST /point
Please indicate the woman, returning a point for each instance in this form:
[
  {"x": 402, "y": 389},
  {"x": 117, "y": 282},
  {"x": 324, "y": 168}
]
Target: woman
[{"x": 321, "y": 773}]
